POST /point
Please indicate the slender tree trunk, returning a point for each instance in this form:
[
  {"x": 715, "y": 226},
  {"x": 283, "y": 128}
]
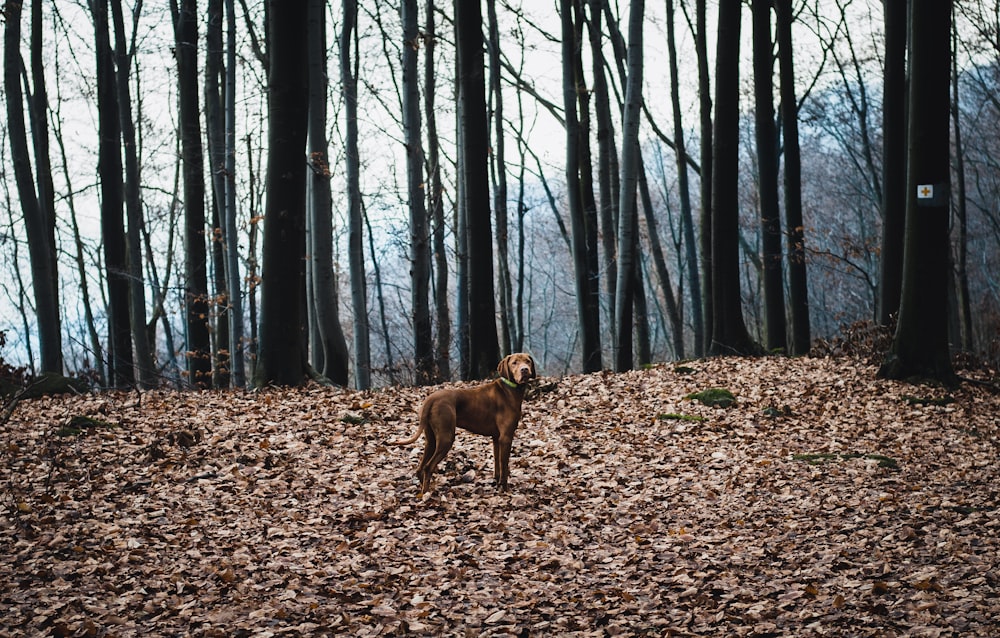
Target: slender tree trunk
[
  {"x": 588, "y": 309},
  {"x": 109, "y": 168},
  {"x": 199, "y": 363},
  {"x": 893, "y": 161},
  {"x": 729, "y": 332},
  {"x": 627, "y": 224},
  {"x": 961, "y": 214},
  {"x": 484, "y": 349},
  {"x": 356, "y": 254},
  {"x": 332, "y": 344},
  {"x": 607, "y": 154},
  {"x": 767, "y": 166},
  {"x": 237, "y": 345},
  {"x": 684, "y": 192},
  {"x": 436, "y": 204},
  {"x": 920, "y": 344},
  {"x": 798, "y": 289},
  {"x": 660, "y": 262},
  {"x": 39, "y": 222},
  {"x": 281, "y": 358},
  {"x": 707, "y": 174},
  {"x": 133, "y": 203},
  {"x": 420, "y": 240}
]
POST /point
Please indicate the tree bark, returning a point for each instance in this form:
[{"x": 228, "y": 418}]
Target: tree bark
[
  {"x": 436, "y": 204},
  {"x": 627, "y": 223},
  {"x": 355, "y": 240},
  {"x": 109, "y": 169},
  {"x": 281, "y": 358},
  {"x": 729, "y": 332},
  {"x": 920, "y": 345},
  {"x": 484, "y": 349},
  {"x": 707, "y": 174},
  {"x": 331, "y": 347},
  {"x": 767, "y": 167},
  {"x": 199, "y": 362},
  {"x": 894, "y": 195},
  {"x": 39, "y": 223},
  {"x": 420, "y": 247},
  {"x": 798, "y": 289}
]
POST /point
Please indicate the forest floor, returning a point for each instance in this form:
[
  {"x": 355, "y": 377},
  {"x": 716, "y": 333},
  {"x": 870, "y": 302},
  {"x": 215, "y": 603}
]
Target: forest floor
[{"x": 822, "y": 502}]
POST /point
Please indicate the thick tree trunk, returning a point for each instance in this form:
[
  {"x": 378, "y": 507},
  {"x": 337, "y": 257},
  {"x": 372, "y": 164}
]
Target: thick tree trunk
[
  {"x": 484, "y": 349},
  {"x": 894, "y": 195},
  {"x": 627, "y": 223},
  {"x": 281, "y": 359},
  {"x": 199, "y": 362},
  {"x": 798, "y": 289},
  {"x": 109, "y": 169},
  {"x": 767, "y": 167},
  {"x": 920, "y": 346},
  {"x": 39, "y": 222},
  {"x": 420, "y": 246},
  {"x": 729, "y": 332}
]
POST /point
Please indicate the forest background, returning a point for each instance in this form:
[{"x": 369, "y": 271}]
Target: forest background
[{"x": 392, "y": 212}]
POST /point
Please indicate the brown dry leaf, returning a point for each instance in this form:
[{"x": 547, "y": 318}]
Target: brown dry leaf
[{"x": 824, "y": 502}]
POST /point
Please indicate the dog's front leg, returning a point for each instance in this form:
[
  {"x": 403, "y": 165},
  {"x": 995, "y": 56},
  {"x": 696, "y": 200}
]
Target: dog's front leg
[{"x": 501, "y": 460}]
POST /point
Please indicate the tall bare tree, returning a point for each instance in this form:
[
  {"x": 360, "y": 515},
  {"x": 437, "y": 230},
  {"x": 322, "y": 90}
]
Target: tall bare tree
[
  {"x": 38, "y": 216},
  {"x": 767, "y": 172},
  {"x": 587, "y": 291},
  {"x": 420, "y": 239},
  {"x": 920, "y": 345},
  {"x": 798, "y": 289},
  {"x": 355, "y": 222},
  {"x": 281, "y": 352},
  {"x": 484, "y": 347},
  {"x": 627, "y": 221},
  {"x": 729, "y": 332},
  {"x": 196, "y": 306}
]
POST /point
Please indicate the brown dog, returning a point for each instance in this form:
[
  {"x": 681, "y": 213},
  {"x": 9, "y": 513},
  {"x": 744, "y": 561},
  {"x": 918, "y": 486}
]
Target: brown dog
[{"x": 493, "y": 410}]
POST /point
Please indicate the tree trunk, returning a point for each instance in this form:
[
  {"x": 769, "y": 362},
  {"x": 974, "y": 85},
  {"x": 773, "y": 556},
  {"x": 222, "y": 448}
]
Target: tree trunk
[
  {"x": 332, "y": 344},
  {"x": 483, "y": 345},
  {"x": 587, "y": 306},
  {"x": 729, "y": 332},
  {"x": 199, "y": 362},
  {"x": 237, "y": 346},
  {"x": 420, "y": 247},
  {"x": 355, "y": 240},
  {"x": 767, "y": 166},
  {"x": 39, "y": 223},
  {"x": 920, "y": 344},
  {"x": 684, "y": 192},
  {"x": 894, "y": 193},
  {"x": 609, "y": 187},
  {"x": 707, "y": 174},
  {"x": 627, "y": 223},
  {"x": 436, "y": 204},
  {"x": 109, "y": 169},
  {"x": 281, "y": 359},
  {"x": 660, "y": 262},
  {"x": 133, "y": 205},
  {"x": 961, "y": 216},
  {"x": 798, "y": 289}
]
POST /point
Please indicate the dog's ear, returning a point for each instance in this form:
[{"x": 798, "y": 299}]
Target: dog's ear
[
  {"x": 503, "y": 368},
  {"x": 534, "y": 372}
]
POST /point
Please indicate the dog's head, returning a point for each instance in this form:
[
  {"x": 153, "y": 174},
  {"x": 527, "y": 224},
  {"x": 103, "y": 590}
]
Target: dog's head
[{"x": 518, "y": 367}]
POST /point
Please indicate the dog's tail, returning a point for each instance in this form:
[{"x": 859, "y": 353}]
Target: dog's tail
[{"x": 412, "y": 439}]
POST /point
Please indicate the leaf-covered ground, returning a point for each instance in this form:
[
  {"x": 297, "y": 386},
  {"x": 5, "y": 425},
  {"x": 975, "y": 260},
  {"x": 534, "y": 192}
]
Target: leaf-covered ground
[{"x": 823, "y": 502}]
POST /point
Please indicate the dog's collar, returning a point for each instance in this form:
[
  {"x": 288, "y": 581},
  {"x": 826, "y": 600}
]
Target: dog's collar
[{"x": 510, "y": 384}]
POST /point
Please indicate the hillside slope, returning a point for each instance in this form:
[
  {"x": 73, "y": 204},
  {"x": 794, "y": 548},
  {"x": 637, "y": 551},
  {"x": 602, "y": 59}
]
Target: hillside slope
[{"x": 822, "y": 502}]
